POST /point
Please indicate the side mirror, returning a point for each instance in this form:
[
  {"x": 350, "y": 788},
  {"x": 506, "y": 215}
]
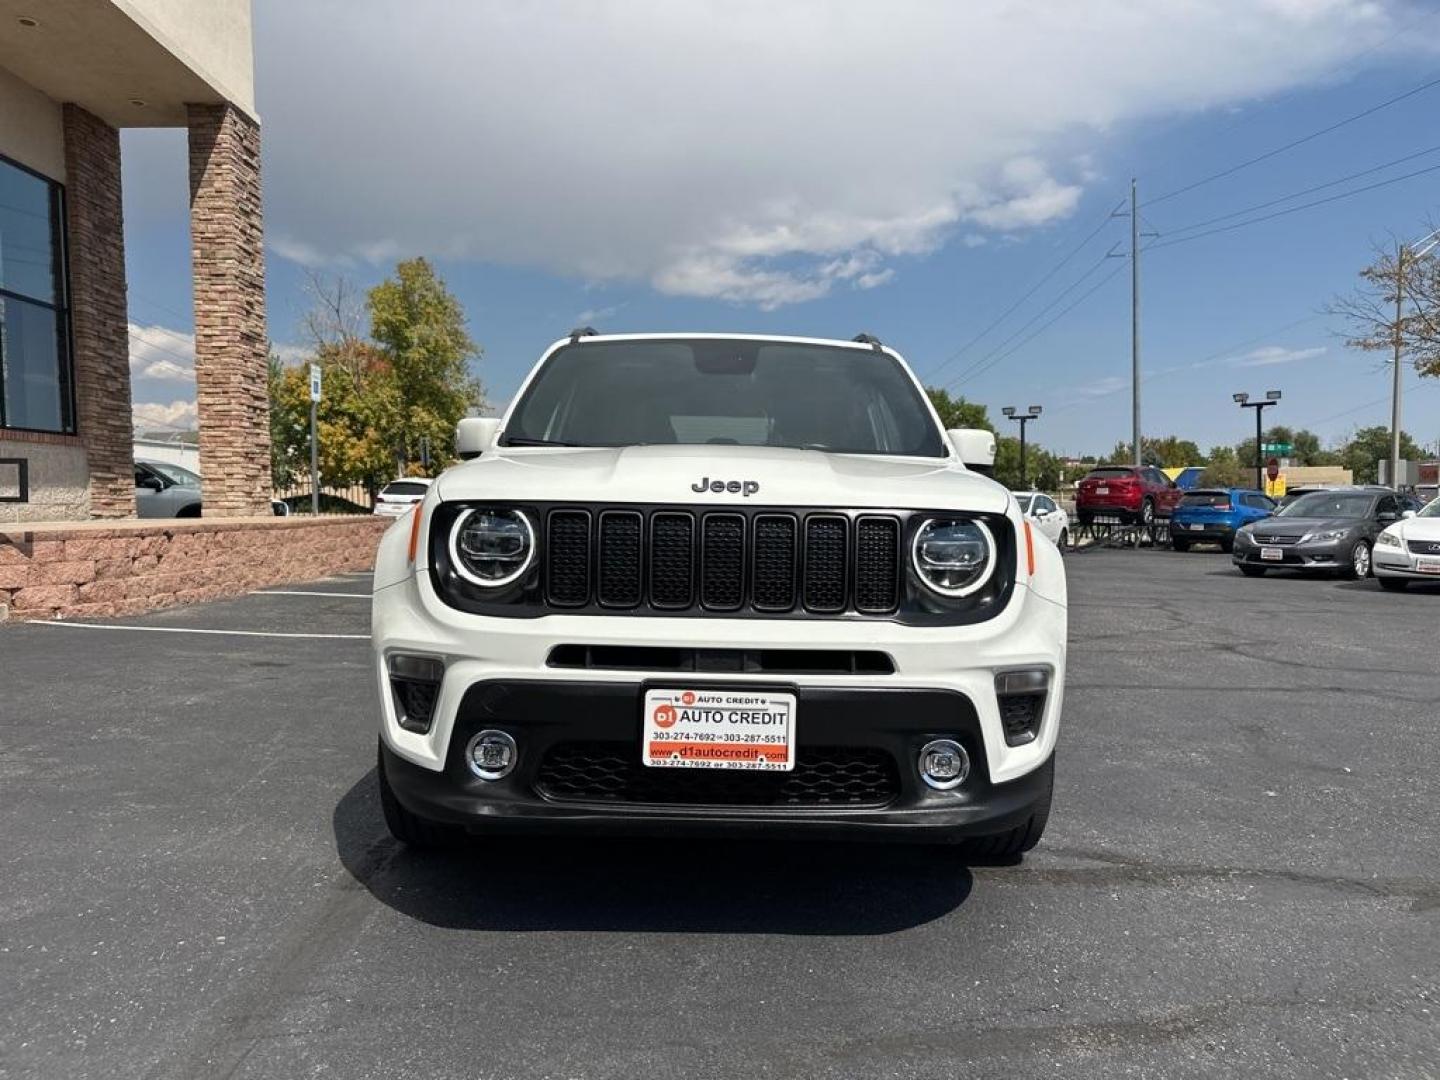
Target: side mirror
[
  {"x": 975, "y": 447},
  {"x": 474, "y": 435},
  {"x": 152, "y": 483}
]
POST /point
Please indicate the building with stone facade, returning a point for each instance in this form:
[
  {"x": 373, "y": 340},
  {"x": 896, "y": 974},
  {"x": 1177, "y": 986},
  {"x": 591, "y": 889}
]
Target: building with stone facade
[{"x": 72, "y": 74}]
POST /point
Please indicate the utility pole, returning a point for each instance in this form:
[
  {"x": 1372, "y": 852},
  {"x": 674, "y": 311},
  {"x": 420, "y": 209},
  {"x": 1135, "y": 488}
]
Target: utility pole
[
  {"x": 1399, "y": 383},
  {"x": 1023, "y": 419},
  {"x": 1135, "y": 319}
]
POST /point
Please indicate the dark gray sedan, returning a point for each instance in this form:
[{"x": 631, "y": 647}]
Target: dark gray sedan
[{"x": 1331, "y": 531}]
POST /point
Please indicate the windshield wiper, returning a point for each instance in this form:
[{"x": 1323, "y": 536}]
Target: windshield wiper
[{"x": 520, "y": 440}]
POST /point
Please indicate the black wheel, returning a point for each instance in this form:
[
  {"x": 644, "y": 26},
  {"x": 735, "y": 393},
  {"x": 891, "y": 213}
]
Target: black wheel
[
  {"x": 1252, "y": 571},
  {"x": 1084, "y": 517},
  {"x": 1227, "y": 546},
  {"x": 408, "y": 828},
  {"x": 1178, "y": 544},
  {"x": 1147, "y": 513},
  {"x": 1394, "y": 584},
  {"x": 1022, "y": 838},
  {"x": 1359, "y": 567},
  {"x": 1064, "y": 542}
]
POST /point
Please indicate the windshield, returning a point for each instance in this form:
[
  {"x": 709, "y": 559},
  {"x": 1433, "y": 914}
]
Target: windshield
[
  {"x": 1206, "y": 498},
  {"x": 176, "y": 474},
  {"x": 1431, "y": 509},
  {"x": 1112, "y": 473},
  {"x": 1329, "y": 504},
  {"x": 725, "y": 393}
]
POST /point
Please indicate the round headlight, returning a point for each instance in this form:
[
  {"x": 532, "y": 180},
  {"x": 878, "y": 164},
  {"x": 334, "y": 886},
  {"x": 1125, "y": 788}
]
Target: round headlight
[
  {"x": 491, "y": 547},
  {"x": 953, "y": 557}
]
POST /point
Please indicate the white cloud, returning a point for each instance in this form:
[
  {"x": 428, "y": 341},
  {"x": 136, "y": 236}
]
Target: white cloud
[
  {"x": 291, "y": 355},
  {"x": 1270, "y": 355},
  {"x": 157, "y": 352},
  {"x": 597, "y": 315},
  {"x": 178, "y": 415},
  {"x": 1101, "y": 387},
  {"x": 739, "y": 150}
]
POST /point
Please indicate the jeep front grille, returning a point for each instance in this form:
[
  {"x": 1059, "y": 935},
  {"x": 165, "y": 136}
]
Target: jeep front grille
[{"x": 720, "y": 561}]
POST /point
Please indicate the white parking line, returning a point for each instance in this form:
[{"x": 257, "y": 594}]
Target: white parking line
[
  {"x": 299, "y": 592},
  {"x": 197, "y": 630}
]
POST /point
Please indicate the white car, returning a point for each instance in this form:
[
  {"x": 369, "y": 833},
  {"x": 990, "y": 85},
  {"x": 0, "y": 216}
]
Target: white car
[
  {"x": 719, "y": 584},
  {"x": 398, "y": 496},
  {"x": 1046, "y": 515},
  {"x": 1409, "y": 550}
]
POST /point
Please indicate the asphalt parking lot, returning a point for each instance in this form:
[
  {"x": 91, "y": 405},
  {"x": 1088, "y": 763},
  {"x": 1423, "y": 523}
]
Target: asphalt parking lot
[{"x": 1241, "y": 877}]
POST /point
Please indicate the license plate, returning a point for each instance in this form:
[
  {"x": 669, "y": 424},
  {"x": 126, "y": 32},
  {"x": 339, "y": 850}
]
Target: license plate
[
  {"x": 1272, "y": 554},
  {"x": 719, "y": 729},
  {"x": 1197, "y": 528},
  {"x": 1102, "y": 491},
  {"x": 1428, "y": 566}
]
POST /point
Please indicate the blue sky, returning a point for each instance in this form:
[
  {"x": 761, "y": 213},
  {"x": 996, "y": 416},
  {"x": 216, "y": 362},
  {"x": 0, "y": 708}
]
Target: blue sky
[{"x": 907, "y": 199}]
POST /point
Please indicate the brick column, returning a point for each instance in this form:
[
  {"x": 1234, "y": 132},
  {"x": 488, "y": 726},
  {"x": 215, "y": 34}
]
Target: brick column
[
  {"x": 98, "y": 315},
  {"x": 231, "y": 349}
]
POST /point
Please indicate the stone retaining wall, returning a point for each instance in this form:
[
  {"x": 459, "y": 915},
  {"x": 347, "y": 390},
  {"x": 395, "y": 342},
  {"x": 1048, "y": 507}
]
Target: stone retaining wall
[{"x": 109, "y": 568}]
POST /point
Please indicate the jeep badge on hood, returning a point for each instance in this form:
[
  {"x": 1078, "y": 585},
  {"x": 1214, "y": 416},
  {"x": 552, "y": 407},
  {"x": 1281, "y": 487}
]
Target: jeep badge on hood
[{"x": 735, "y": 487}]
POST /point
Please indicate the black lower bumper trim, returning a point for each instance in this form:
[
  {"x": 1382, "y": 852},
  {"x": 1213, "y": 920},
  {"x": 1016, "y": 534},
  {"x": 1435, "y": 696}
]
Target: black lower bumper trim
[{"x": 838, "y": 724}]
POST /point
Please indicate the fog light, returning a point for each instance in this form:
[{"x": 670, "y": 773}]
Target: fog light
[
  {"x": 491, "y": 754},
  {"x": 944, "y": 764}
]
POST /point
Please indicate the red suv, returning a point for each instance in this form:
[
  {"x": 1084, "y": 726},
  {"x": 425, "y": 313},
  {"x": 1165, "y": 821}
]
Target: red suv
[{"x": 1132, "y": 494}]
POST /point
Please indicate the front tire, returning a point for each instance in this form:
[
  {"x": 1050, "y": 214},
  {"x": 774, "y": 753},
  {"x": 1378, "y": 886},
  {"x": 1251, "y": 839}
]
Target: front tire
[
  {"x": 1252, "y": 571},
  {"x": 410, "y": 829},
  {"x": 1359, "y": 568},
  {"x": 1393, "y": 584},
  {"x": 1022, "y": 838},
  {"x": 1064, "y": 542}
]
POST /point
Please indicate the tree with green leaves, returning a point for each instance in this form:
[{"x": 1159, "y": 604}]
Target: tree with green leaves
[
  {"x": 1166, "y": 452},
  {"x": 1368, "y": 446},
  {"x": 410, "y": 380},
  {"x": 956, "y": 412},
  {"x": 1223, "y": 468}
]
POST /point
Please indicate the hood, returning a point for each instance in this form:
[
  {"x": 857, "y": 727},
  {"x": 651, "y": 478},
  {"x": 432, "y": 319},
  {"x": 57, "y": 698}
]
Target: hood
[
  {"x": 1293, "y": 526},
  {"x": 1425, "y": 529},
  {"x": 772, "y": 476}
]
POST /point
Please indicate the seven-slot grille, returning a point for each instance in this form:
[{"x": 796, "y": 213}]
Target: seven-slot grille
[{"x": 722, "y": 561}]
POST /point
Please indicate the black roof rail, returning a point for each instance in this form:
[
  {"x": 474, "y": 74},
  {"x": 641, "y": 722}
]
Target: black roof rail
[
  {"x": 867, "y": 339},
  {"x": 582, "y": 331}
]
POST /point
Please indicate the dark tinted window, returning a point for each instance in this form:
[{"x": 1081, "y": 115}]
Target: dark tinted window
[
  {"x": 1206, "y": 498},
  {"x": 403, "y": 487},
  {"x": 1110, "y": 473},
  {"x": 34, "y": 338},
  {"x": 1330, "y": 504},
  {"x": 719, "y": 392}
]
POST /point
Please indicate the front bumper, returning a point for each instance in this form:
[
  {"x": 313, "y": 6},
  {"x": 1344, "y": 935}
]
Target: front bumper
[
  {"x": 1326, "y": 555},
  {"x": 547, "y": 717},
  {"x": 1399, "y": 563}
]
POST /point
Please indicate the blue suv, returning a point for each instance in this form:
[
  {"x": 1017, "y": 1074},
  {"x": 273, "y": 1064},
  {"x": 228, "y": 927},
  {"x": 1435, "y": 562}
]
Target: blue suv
[{"x": 1211, "y": 516}]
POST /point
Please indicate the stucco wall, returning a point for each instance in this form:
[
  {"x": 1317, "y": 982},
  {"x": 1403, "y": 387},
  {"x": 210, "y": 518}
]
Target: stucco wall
[
  {"x": 30, "y": 128},
  {"x": 212, "y": 38},
  {"x": 59, "y": 482}
]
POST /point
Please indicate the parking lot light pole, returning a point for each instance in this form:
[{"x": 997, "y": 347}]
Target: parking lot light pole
[
  {"x": 1272, "y": 397},
  {"x": 1023, "y": 419}
]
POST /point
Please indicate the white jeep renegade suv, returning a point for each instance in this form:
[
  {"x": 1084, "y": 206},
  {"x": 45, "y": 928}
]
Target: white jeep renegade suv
[{"x": 706, "y": 583}]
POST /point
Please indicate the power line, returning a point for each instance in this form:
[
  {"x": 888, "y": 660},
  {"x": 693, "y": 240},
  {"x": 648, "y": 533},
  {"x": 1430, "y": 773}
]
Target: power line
[
  {"x": 1050, "y": 306},
  {"x": 1303, "y": 191},
  {"x": 1071, "y": 307},
  {"x": 1295, "y": 142},
  {"x": 1026, "y": 296},
  {"x": 1294, "y": 209}
]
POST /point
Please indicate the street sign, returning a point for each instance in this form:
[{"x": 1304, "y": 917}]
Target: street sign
[
  {"x": 1283, "y": 449},
  {"x": 314, "y": 382}
]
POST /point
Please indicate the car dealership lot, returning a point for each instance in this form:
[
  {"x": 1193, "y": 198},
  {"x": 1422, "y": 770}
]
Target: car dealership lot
[{"x": 1242, "y": 873}]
